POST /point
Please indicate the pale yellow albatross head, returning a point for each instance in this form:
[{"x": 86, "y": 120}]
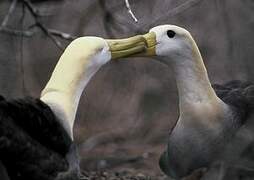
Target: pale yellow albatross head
[{"x": 76, "y": 66}]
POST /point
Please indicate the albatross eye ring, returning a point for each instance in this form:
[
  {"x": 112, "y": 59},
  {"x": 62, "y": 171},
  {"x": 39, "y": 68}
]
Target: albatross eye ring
[{"x": 171, "y": 33}]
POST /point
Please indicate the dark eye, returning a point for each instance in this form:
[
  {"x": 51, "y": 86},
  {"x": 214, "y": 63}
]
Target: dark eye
[{"x": 171, "y": 33}]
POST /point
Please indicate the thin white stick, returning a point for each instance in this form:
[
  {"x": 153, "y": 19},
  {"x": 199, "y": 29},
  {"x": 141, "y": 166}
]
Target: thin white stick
[
  {"x": 130, "y": 11},
  {"x": 10, "y": 11}
]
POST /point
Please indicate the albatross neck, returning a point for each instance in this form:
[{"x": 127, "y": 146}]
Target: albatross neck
[
  {"x": 80, "y": 61},
  {"x": 193, "y": 84}
]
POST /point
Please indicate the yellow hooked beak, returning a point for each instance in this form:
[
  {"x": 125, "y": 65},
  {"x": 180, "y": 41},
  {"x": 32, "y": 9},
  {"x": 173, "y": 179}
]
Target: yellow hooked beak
[{"x": 136, "y": 46}]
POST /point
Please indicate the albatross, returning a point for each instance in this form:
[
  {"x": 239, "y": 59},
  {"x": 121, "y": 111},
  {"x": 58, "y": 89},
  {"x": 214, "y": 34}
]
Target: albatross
[
  {"x": 208, "y": 115},
  {"x": 36, "y": 134},
  {"x": 79, "y": 62}
]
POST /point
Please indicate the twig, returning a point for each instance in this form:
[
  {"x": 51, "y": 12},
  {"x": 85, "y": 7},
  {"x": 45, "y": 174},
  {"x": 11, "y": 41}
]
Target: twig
[
  {"x": 16, "y": 32},
  {"x": 40, "y": 25},
  {"x": 31, "y": 8},
  {"x": 22, "y": 68},
  {"x": 35, "y": 11},
  {"x": 62, "y": 34},
  {"x": 54, "y": 39},
  {"x": 130, "y": 11},
  {"x": 141, "y": 28},
  {"x": 10, "y": 11},
  {"x": 177, "y": 10},
  {"x": 51, "y": 33}
]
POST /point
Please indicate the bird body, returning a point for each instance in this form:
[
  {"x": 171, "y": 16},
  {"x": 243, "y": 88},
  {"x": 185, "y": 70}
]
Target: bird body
[
  {"x": 36, "y": 135},
  {"x": 32, "y": 142},
  {"x": 49, "y": 120},
  {"x": 208, "y": 117},
  {"x": 200, "y": 130},
  {"x": 198, "y": 140}
]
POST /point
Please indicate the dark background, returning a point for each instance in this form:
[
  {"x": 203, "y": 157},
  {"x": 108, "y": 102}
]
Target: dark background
[{"x": 129, "y": 106}]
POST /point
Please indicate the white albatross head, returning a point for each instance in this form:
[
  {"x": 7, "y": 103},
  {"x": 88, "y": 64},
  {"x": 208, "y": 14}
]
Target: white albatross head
[{"x": 171, "y": 43}]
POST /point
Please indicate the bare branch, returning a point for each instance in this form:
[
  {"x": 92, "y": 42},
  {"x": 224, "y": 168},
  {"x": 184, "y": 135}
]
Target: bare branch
[
  {"x": 40, "y": 25},
  {"x": 130, "y": 11},
  {"x": 177, "y": 10},
  {"x": 53, "y": 38},
  {"x": 10, "y": 11},
  {"x": 16, "y": 32},
  {"x": 62, "y": 34},
  {"x": 141, "y": 28},
  {"x": 31, "y": 8},
  {"x": 51, "y": 33}
]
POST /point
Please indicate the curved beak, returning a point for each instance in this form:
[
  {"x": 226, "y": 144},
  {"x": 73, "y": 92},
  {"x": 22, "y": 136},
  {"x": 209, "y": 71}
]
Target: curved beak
[{"x": 136, "y": 46}]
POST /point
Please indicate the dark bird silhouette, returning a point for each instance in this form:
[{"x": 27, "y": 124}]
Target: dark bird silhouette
[{"x": 32, "y": 142}]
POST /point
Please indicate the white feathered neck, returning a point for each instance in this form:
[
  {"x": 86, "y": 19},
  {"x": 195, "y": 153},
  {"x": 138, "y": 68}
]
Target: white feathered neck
[{"x": 196, "y": 94}]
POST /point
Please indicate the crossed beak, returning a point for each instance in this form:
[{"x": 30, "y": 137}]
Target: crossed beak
[{"x": 136, "y": 46}]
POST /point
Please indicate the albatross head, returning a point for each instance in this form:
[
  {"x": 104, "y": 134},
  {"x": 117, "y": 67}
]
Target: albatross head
[
  {"x": 76, "y": 66},
  {"x": 171, "y": 43}
]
